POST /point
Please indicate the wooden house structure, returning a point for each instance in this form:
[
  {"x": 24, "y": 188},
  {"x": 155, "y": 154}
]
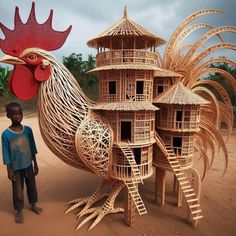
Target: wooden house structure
[
  {"x": 176, "y": 124},
  {"x": 163, "y": 80},
  {"x": 126, "y": 62},
  {"x": 131, "y": 79}
]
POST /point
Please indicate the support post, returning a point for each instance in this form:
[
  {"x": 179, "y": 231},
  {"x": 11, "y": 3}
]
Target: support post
[
  {"x": 160, "y": 186},
  {"x": 129, "y": 209},
  {"x": 175, "y": 185},
  {"x": 179, "y": 196}
]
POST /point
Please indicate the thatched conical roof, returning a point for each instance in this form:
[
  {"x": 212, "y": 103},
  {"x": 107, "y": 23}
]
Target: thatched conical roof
[
  {"x": 125, "y": 106},
  {"x": 166, "y": 73},
  {"x": 158, "y": 72},
  {"x": 125, "y": 27},
  {"x": 179, "y": 94},
  {"x": 128, "y": 66}
]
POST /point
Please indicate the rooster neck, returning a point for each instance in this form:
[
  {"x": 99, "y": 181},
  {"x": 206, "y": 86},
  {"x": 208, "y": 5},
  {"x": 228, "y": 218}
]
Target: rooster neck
[
  {"x": 61, "y": 94},
  {"x": 62, "y": 106},
  {"x": 61, "y": 101}
]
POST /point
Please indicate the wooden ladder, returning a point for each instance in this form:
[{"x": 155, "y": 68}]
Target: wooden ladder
[
  {"x": 132, "y": 187},
  {"x": 188, "y": 191},
  {"x": 131, "y": 159},
  {"x": 132, "y": 183}
]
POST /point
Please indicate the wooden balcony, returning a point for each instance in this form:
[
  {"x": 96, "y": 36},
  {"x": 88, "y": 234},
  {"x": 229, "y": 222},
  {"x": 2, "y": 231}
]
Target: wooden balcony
[
  {"x": 189, "y": 126},
  {"x": 127, "y": 56},
  {"x": 124, "y": 171},
  {"x": 161, "y": 161}
]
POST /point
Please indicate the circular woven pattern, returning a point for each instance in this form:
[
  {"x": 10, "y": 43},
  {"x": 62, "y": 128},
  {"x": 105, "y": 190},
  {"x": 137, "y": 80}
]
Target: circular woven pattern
[{"x": 94, "y": 140}]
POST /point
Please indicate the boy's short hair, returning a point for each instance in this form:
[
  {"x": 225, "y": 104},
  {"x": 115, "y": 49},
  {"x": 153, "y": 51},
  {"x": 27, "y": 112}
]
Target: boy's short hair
[{"x": 10, "y": 105}]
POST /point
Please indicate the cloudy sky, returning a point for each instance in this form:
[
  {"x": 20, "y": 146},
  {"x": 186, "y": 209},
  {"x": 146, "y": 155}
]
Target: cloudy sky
[{"x": 89, "y": 17}]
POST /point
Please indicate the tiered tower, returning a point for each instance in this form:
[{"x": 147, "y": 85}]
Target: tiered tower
[
  {"x": 125, "y": 63},
  {"x": 176, "y": 124}
]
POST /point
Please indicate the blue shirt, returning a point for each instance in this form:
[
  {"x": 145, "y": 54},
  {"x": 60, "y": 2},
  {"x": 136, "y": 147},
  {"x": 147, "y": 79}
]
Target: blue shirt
[{"x": 18, "y": 148}]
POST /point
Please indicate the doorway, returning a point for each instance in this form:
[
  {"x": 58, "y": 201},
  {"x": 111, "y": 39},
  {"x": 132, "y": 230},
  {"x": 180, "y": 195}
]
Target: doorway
[
  {"x": 177, "y": 145},
  {"x": 179, "y": 119},
  {"x": 112, "y": 87},
  {"x": 137, "y": 155},
  {"x": 139, "y": 87},
  {"x": 125, "y": 131}
]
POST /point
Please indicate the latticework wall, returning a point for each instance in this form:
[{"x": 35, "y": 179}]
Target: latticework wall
[
  {"x": 142, "y": 125},
  {"x": 183, "y": 148},
  {"x": 162, "y": 84},
  {"x": 178, "y": 117},
  {"x": 125, "y": 85},
  {"x": 126, "y": 56},
  {"x": 121, "y": 168}
]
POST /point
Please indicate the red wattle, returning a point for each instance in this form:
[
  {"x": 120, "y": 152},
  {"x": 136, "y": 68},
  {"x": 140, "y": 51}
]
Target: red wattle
[
  {"x": 41, "y": 73},
  {"x": 22, "y": 83},
  {"x": 10, "y": 82}
]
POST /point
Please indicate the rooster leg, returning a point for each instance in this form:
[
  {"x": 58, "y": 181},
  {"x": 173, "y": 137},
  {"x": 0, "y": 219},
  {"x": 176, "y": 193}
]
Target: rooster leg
[
  {"x": 87, "y": 201},
  {"x": 107, "y": 208}
]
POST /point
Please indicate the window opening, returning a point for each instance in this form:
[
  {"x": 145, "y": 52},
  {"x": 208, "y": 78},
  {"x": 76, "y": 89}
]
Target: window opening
[
  {"x": 112, "y": 87},
  {"x": 125, "y": 130},
  {"x": 177, "y": 145},
  {"x": 139, "y": 87},
  {"x": 137, "y": 155},
  {"x": 160, "y": 89}
]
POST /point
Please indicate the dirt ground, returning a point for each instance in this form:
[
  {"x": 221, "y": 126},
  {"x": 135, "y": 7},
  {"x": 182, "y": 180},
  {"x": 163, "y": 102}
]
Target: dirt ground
[{"x": 59, "y": 183}]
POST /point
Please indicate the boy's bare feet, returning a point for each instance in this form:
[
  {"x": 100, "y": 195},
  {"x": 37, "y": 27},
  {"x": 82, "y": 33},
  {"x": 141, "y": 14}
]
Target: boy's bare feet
[
  {"x": 19, "y": 219},
  {"x": 36, "y": 210}
]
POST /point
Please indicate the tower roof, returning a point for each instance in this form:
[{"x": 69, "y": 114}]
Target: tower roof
[
  {"x": 126, "y": 27},
  {"x": 179, "y": 94},
  {"x": 128, "y": 66},
  {"x": 166, "y": 73},
  {"x": 125, "y": 106}
]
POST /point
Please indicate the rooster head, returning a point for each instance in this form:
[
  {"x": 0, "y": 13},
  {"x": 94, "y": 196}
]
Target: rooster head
[{"x": 22, "y": 46}]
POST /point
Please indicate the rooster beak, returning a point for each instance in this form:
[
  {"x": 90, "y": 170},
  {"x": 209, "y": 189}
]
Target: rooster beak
[{"x": 11, "y": 60}]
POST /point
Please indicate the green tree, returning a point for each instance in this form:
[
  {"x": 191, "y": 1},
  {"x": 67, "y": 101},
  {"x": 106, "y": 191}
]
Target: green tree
[
  {"x": 4, "y": 73},
  {"x": 219, "y": 79},
  {"x": 79, "y": 68}
]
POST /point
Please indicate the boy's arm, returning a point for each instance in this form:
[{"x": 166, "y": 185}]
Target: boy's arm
[
  {"x": 6, "y": 157},
  {"x": 10, "y": 173},
  {"x": 36, "y": 169}
]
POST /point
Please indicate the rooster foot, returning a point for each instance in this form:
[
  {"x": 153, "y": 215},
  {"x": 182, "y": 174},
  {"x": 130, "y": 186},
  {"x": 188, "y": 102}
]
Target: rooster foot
[
  {"x": 99, "y": 213},
  {"x": 87, "y": 201},
  {"x": 107, "y": 208}
]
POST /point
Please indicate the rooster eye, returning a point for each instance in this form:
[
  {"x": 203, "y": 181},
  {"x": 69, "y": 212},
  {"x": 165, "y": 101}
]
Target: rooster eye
[{"x": 32, "y": 57}]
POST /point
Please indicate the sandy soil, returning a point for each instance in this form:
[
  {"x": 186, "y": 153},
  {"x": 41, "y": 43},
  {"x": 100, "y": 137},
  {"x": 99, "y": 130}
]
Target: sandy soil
[{"x": 59, "y": 183}]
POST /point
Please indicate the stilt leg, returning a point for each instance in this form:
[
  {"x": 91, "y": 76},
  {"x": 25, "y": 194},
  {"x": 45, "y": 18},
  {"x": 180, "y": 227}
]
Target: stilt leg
[
  {"x": 160, "y": 186},
  {"x": 129, "y": 209},
  {"x": 175, "y": 185},
  {"x": 180, "y": 195}
]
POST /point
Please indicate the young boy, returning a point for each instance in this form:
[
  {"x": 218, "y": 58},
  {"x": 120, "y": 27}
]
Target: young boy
[{"x": 19, "y": 149}]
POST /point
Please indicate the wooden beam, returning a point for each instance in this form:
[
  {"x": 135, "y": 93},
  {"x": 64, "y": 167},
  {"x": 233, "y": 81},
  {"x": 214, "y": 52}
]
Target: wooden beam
[
  {"x": 129, "y": 209},
  {"x": 160, "y": 186}
]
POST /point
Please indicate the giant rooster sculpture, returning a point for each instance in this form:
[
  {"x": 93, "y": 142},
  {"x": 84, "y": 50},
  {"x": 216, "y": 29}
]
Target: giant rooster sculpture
[
  {"x": 63, "y": 107},
  {"x": 76, "y": 134}
]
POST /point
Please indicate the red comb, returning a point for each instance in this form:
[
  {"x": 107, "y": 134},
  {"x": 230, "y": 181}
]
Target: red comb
[{"x": 31, "y": 34}]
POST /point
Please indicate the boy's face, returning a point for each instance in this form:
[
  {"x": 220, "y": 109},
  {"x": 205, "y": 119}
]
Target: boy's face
[{"x": 16, "y": 115}]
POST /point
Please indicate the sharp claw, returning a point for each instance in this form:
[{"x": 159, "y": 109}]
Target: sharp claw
[
  {"x": 72, "y": 208},
  {"x": 98, "y": 219},
  {"x": 87, "y": 211},
  {"x": 73, "y": 201},
  {"x": 86, "y": 220},
  {"x": 77, "y": 204}
]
